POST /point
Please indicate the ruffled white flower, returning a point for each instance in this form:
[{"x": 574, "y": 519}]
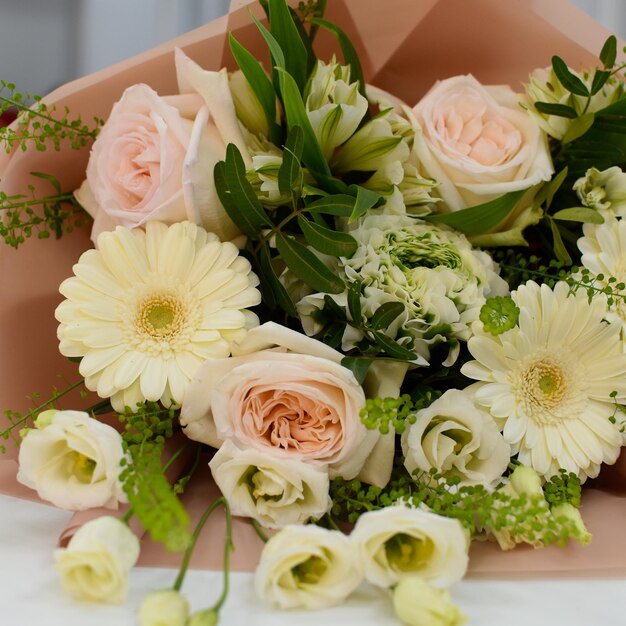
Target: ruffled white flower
[
  {"x": 603, "y": 248},
  {"x": 398, "y": 542},
  {"x": 307, "y": 566},
  {"x": 275, "y": 491},
  {"x": 432, "y": 270},
  {"x": 458, "y": 439},
  {"x": 146, "y": 309},
  {"x": 548, "y": 381},
  {"x": 72, "y": 460},
  {"x": 603, "y": 190}
]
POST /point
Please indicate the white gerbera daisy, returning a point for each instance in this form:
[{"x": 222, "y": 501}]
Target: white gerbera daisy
[
  {"x": 146, "y": 309},
  {"x": 548, "y": 381},
  {"x": 603, "y": 250}
]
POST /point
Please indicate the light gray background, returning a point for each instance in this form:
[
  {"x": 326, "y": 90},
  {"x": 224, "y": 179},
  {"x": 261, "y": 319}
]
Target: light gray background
[{"x": 45, "y": 43}]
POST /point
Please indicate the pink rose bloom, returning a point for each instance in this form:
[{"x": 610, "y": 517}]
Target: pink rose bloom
[
  {"x": 478, "y": 143},
  {"x": 154, "y": 157},
  {"x": 295, "y": 401}
]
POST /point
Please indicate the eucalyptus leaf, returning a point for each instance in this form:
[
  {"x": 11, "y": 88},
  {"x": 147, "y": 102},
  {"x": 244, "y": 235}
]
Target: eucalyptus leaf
[
  {"x": 279, "y": 293},
  {"x": 354, "y": 302},
  {"x": 570, "y": 81},
  {"x": 340, "y": 205},
  {"x": 385, "y": 314},
  {"x": 480, "y": 219},
  {"x": 560, "y": 110},
  {"x": 290, "y": 172},
  {"x": 335, "y": 310},
  {"x": 393, "y": 348},
  {"x": 559, "y": 247},
  {"x": 333, "y": 335},
  {"x": 599, "y": 80},
  {"x": 547, "y": 191},
  {"x": 608, "y": 54},
  {"x": 359, "y": 366},
  {"x": 326, "y": 240},
  {"x": 365, "y": 200},
  {"x": 306, "y": 266},
  {"x": 579, "y": 214}
]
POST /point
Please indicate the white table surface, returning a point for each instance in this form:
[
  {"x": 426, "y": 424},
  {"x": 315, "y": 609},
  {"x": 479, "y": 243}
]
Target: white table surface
[{"x": 30, "y": 593}]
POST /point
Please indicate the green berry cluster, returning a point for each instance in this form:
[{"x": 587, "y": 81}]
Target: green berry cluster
[{"x": 499, "y": 314}]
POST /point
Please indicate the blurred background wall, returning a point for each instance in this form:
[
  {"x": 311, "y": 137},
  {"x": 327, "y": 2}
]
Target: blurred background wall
[{"x": 45, "y": 43}]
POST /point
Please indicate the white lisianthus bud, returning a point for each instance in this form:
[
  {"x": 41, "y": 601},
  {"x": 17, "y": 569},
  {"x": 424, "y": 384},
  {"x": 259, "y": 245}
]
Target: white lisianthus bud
[
  {"x": 247, "y": 105},
  {"x": 419, "y": 604},
  {"x": 334, "y": 105},
  {"x": 274, "y": 491},
  {"x": 96, "y": 563},
  {"x": 603, "y": 190},
  {"x": 72, "y": 460},
  {"x": 398, "y": 541},
  {"x": 166, "y": 607},
  {"x": 572, "y": 514},
  {"x": 307, "y": 566},
  {"x": 525, "y": 480},
  {"x": 204, "y": 618}
]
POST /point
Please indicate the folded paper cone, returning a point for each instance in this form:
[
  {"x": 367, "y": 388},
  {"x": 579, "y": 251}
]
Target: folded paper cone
[{"x": 405, "y": 46}]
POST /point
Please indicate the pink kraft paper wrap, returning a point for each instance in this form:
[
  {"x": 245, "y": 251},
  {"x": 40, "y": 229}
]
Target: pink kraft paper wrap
[{"x": 405, "y": 46}]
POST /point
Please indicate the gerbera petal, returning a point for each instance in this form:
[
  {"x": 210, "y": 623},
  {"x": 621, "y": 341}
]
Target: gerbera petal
[{"x": 153, "y": 379}]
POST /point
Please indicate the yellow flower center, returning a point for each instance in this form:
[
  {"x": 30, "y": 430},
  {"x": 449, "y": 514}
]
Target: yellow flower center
[
  {"x": 80, "y": 466},
  {"x": 159, "y": 316},
  {"x": 310, "y": 572},
  {"x": 406, "y": 553}
]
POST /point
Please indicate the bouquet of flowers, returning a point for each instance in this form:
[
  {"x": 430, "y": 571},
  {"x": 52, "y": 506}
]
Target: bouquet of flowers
[{"x": 388, "y": 329}]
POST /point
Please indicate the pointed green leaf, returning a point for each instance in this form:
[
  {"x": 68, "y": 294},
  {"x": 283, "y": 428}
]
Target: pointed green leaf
[
  {"x": 340, "y": 205},
  {"x": 579, "y": 214},
  {"x": 358, "y": 366},
  {"x": 560, "y": 110},
  {"x": 275, "y": 50},
  {"x": 393, "y": 348},
  {"x": 559, "y": 247},
  {"x": 547, "y": 190},
  {"x": 570, "y": 81},
  {"x": 333, "y": 335},
  {"x": 326, "y": 240},
  {"x": 290, "y": 172},
  {"x": 578, "y": 127},
  {"x": 232, "y": 209},
  {"x": 279, "y": 293},
  {"x": 306, "y": 266},
  {"x": 385, "y": 314},
  {"x": 334, "y": 309},
  {"x": 608, "y": 54},
  {"x": 481, "y": 218},
  {"x": 50, "y": 178},
  {"x": 365, "y": 200},
  {"x": 599, "y": 80},
  {"x": 354, "y": 302}
]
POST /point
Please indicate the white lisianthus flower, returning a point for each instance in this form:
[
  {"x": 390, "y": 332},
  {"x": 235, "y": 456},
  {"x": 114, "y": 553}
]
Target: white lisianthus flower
[
  {"x": 603, "y": 190},
  {"x": 72, "y": 460},
  {"x": 96, "y": 563},
  {"x": 548, "y": 382},
  {"x": 274, "y": 491},
  {"x": 417, "y": 603},
  {"x": 398, "y": 541},
  {"x": 166, "y": 607},
  {"x": 458, "y": 439},
  {"x": 146, "y": 309},
  {"x": 431, "y": 269},
  {"x": 307, "y": 566}
]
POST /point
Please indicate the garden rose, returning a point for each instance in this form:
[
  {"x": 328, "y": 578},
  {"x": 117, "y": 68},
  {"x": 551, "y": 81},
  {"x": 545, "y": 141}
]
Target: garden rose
[
  {"x": 275, "y": 492},
  {"x": 307, "y": 566},
  {"x": 479, "y": 144},
  {"x": 398, "y": 541},
  {"x": 96, "y": 563},
  {"x": 295, "y": 401},
  {"x": 72, "y": 460},
  {"x": 457, "y": 439},
  {"x": 154, "y": 157}
]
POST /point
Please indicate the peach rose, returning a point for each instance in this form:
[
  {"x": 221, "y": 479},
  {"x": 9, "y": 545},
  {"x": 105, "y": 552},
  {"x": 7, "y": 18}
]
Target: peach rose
[
  {"x": 154, "y": 157},
  {"x": 295, "y": 401},
  {"x": 478, "y": 143}
]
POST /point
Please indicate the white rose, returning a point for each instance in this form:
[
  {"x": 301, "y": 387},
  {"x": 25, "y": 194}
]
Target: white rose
[
  {"x": 307, "y": 566},
  {"x": 398, "y": 541},
  {"x": 72, "y": 460},
  {"x": 294, "y": 402},
  {"x": 479, "y": 144},
  {"x": 166, "y": 607},
  {"x": 96, "y": 563},
  {"x": 458, "y": 439},
  {"x": 274, "y": 491}
]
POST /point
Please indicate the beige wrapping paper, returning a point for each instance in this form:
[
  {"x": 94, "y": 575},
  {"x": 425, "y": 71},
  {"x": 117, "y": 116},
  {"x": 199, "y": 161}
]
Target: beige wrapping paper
[{"x": 405, "y": 45}]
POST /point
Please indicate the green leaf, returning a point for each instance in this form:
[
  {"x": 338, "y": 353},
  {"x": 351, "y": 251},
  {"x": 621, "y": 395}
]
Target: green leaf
[
  {"x": 259, "y": 82},
  {"x": 276, "y": 52},
  {"x": 385, "y": 314},
  {"x": 570, "y": 81},
  {"x": 559, "y": 247},
  {"x": 354, "y": 302},
  {"x": 290, "y": 172},
  {"x": 365, "y": 200},
  {"x": 482, "y": 218},
  {"x": 617, "y": 108},
  {"x": 334, "y": 309},
  {"x": 599, "y": 80},
  {"x": 284, "y": 30},
  {"x": 296, "y": 116},
  {"x": 350, "y": 56},
  {"x": 578, "y": 127},
  {"x": 306, "y": 40},
  {"x": 51, "y": 179},
  {"x": 306, "y": 266},
  {"x": 326, "y": 240},
  {"x": 579, "y": 214},
  {"x": 560, "y": 110},
  {"x": 358, "y": 366},
  {"x": 270, "y": 277},
  {"x": 340, "y": 205},
  {"x": 393, "y": 348},
  {"x": 608, "y": 54},
  {"x": 547, "y": 191}
]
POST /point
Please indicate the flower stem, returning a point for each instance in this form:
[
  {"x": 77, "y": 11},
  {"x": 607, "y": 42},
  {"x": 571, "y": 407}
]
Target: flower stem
[
  {"x": 228, "y": 546},
  {"x": 259, "y": 530}
]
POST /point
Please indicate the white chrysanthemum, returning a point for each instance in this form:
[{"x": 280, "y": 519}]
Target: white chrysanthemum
[
  {"x": 548, "y": 381},
  {"x": 603, "y": 250},
  {"x": 146, "y": 309},
  {"x": 431, "y": 269}
]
